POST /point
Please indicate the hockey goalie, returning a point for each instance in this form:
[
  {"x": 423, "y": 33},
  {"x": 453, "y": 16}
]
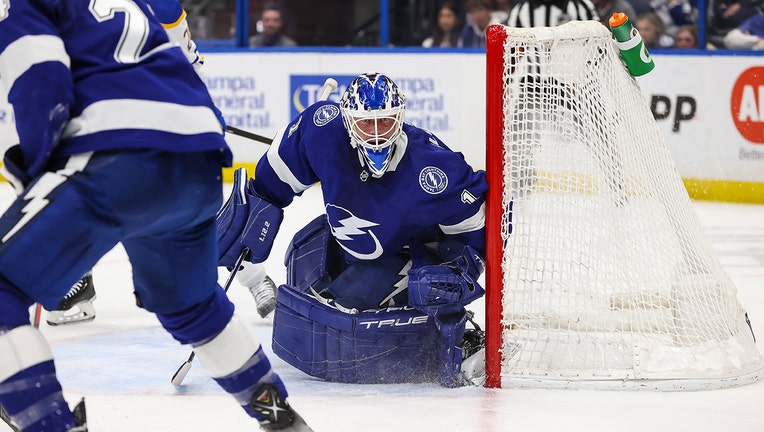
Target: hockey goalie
[{"x": 376, "y": 287}]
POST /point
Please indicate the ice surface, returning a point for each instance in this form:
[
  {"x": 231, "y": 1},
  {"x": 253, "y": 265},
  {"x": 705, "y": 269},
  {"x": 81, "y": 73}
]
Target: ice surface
[{"x": 123, "y": 361}]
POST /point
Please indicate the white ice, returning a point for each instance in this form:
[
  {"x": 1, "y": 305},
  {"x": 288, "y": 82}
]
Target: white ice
[{"x": 123, "y": 361}]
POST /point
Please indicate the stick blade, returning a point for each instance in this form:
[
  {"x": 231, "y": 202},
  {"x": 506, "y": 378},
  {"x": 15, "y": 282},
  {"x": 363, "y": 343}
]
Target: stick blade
[{"x": 181, "y": 373}]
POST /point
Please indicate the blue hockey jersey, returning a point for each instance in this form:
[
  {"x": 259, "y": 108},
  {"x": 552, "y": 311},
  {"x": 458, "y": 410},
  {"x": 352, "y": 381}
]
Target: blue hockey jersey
[
  {"x": 429, "y": 193},
  {"x": 91, "y": 75}
]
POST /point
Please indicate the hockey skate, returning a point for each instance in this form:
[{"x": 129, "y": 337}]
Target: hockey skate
[
  {"x": 473, "y": 354},
  {"x": 77, "y": 306},
  {"x": 80, "y": 418},
  {"x": 277, "y": 414},
  {"x": 265, "y": 296},
  {"x": 7, "y": 419}
]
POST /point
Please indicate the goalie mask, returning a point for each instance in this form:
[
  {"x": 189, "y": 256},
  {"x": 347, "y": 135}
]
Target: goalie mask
[{"x": 372, "y": 111}]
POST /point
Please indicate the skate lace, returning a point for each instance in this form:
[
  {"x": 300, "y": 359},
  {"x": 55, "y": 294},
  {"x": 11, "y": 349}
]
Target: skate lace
[
  {"x": 264, "y": 290},
  {"x": 76, "y": 289}
]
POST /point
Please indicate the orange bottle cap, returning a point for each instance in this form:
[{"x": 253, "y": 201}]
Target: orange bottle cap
[{"x": 617, "y": 19}]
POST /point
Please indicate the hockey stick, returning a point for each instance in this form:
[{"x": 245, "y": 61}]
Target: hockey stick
[
  {"x": 250, "y": 135},
  {"x": 329, "y": 86},
  {"x": 37, "y": 314},
  {"x": 182, "y": 371}
]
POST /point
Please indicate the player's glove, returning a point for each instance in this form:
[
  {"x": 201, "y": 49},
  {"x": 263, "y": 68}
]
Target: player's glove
[
  {"x": 14, "y": 169},
  {"x": 246, "y": 220},
  {"x": 449, "y": 286}
]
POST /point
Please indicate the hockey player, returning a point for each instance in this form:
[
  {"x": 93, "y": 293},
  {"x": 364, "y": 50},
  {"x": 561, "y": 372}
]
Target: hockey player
[
  {"x": 77, "y": 306},
  {"x": 103, "y": 160},
  {"x": 376, "y": 287},
  {"x": 173, "y": 18}
]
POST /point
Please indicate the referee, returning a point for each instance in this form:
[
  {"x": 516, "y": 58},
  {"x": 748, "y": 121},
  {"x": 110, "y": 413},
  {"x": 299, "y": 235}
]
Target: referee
[{"x": 550, "y": 13}]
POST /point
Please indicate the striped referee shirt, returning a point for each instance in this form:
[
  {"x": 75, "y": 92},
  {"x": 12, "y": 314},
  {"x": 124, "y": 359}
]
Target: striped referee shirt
[{"x": 551, "y": 13}]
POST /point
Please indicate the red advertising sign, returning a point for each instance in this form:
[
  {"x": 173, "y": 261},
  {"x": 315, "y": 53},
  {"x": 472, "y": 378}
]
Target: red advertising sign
[{"x": 747, "y": 104}]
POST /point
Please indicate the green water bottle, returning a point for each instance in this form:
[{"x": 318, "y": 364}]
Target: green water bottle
[{"x": 629, "y": 41}]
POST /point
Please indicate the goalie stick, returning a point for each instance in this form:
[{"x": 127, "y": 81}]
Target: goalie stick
[
  {"x": 180, "y": 374},
  {"x": 329, "y": 86},
  {"x": 37, "y": 314}
]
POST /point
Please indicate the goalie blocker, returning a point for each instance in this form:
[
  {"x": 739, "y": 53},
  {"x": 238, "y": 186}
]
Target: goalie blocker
[
  {"x": 246, "y": 220},
  {"x": 321, "y": 328}
]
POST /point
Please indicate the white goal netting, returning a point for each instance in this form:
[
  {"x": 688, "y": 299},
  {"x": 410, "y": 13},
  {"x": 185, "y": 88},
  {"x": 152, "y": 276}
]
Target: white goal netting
[{"x": 607, "y": 279}]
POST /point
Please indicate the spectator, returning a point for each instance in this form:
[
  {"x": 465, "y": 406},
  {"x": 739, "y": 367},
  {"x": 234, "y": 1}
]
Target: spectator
[
  {"x": 653, "y": 31},
  {"x": 747, "y": 36},
  {"x": 504, "y": 5},
  {"x": 686, "y": 37},
  {"x": 730, "y": 14},
  {"x": 606, "y": 8},
  {"x": 642, "y": 7},
  {"x": 481, "y": 14},
  {"x": 273, "y": 27},
  {"x": 446, "y": 32},
  {"x": 676, "y": 13},
  {"x": 545, "y": 13}
]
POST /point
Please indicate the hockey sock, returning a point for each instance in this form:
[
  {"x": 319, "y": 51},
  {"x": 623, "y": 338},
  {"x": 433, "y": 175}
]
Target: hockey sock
[
  {"x": 29, "y": 390},
  {"x": 237, "y": 362},
  {"x": 253, "y": 375}
]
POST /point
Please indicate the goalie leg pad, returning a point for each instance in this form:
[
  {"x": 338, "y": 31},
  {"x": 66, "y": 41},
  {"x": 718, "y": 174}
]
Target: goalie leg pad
[
  {"x": 391, "y": 345},
  {"x": 308, "y": 257}
]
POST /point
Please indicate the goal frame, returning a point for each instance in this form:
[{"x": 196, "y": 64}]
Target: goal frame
[
  {"x": 494, "y": 163},
  {"x": 686, "y": 357}
]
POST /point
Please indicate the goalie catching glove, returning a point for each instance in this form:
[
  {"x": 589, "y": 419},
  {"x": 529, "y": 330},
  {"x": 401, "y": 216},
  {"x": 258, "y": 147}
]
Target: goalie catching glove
[
  {"x": 447, "y": 287},
  {"x": 246, "y": 220}
]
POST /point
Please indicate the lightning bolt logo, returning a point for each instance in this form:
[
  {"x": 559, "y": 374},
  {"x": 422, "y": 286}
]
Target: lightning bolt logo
[
  {"x": 344, "y": 229},
  {"x": 37, "y": 200},
  {"x": 37, "y": 195},
  {"x": 401, "y": 285}
]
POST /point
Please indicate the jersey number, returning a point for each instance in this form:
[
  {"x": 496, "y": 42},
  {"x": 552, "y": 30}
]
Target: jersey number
[
  {"x": 134, "y": 34},
  {"x": 4, "y": 6}
]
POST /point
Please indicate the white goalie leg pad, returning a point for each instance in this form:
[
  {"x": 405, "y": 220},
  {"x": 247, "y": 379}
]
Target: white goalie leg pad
[
  {"x": 21, "y": 348},
  {"x": 228, "y": 351}
]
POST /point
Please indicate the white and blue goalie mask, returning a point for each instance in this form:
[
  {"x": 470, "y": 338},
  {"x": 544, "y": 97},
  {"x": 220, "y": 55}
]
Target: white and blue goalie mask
[{"x": 372, "y": 111}]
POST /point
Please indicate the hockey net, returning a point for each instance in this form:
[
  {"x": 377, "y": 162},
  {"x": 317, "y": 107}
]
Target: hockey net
[{"x": 598, "y": 271}]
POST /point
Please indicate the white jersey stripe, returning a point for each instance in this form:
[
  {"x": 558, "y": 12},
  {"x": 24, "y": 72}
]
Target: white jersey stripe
[
  {"x": 116, "y": 114},
  {"x": 27, "y": 51},
  {"x": 475, "y": 222},
  {"x": 280, "y": 167}
]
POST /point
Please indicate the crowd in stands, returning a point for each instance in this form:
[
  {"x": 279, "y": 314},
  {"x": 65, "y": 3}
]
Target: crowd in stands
[{"x": 663, "y": 24}]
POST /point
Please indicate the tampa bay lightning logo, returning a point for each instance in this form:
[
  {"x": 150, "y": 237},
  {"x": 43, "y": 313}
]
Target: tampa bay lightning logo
[
  {"x": 353, "y": 234},
  {"x": 325, "y": 114},
  {"x": 433, "y": 180}
]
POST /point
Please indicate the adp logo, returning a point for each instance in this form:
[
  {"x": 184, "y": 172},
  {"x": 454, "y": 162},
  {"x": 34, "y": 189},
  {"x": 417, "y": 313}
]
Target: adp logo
[
  {"x": 306, "y": 89},
  {"x": 747, "y": 104}
]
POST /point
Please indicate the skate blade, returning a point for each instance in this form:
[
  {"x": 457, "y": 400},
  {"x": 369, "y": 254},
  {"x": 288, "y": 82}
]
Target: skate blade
[{"x": 79, "y": 313}]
